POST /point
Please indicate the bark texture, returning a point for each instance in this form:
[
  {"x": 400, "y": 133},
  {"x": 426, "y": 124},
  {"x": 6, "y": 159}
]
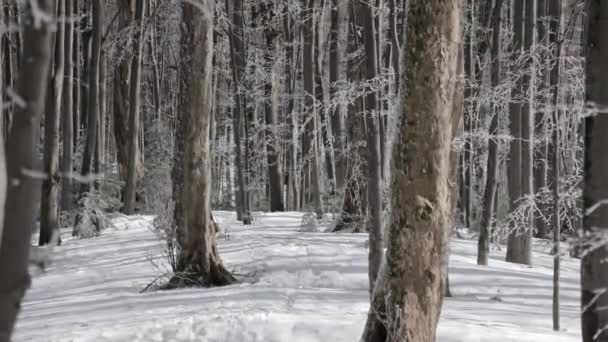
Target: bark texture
[
  {"x": 199, "y": 263},
  {"x": 408, "y": 295},
  {"x": 594, "y": 269},
  {"x": 134, "y": 109},
  {"x": 49, "y": 203},
  {"x": 21, "y": 154}
]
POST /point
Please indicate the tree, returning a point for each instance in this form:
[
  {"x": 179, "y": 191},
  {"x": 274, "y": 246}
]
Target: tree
[
  {"x": 134, "y": 104},
  {"x": 199, "y": 262},
  {"x": 309, "y": 140},
  {"x": 409, "y": 291},
  {"x": 374, "y": 162},
  {"x": 271, "y": 106},
  {"x": 49, "y": 204},
  {"x": 483, "y": 245},
  {"x": 237, "y": 53},
  {"x": 21, "y": 155},
  {"x": 519, "y": 243},
  {"x": 67, "y": 163},
  {"x": 594, "y": 269},
  {"x": 93, "y": 94}
]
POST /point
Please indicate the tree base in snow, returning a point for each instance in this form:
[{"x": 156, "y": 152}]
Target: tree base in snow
[{"x": 194, "y": 277}]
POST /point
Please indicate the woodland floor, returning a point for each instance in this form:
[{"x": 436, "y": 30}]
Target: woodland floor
[{"x": 300, "y": 287}]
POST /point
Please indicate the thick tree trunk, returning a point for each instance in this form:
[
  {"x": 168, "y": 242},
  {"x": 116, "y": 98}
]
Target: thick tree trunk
[
  {"x": 517, "y": 241},
  {"x": 134, "y": 104},
  {"x": 67, "y": 163},
  {"x": 409, "y": 292},
  {"x": 199, "y": 263},
  {"x": 21, "y": 154},
  {"x": 594, "y": 269},
  {"x": 49, "y": 202},
  {"x": 93, "y": 95},
  {"x": 374, "y": 161}
]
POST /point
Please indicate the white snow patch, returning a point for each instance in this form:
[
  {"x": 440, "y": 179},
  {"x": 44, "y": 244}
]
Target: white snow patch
[{"x": 308, "y": 287}]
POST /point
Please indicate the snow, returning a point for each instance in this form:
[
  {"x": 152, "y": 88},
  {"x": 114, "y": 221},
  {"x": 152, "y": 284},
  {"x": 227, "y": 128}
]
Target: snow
[{"x": 300, "y": 286}]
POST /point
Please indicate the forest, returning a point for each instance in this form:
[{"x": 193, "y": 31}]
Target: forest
[{"x": 303, "y": 170}]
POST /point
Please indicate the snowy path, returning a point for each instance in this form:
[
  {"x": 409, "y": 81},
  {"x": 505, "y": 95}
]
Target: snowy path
[{"x": 310, "y": 287}]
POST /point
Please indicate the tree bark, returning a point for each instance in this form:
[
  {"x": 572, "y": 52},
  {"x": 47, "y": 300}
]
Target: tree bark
[
  {"x": 199, "y": 263},
  {"x": 271, "y": 106},
  {"x": 237, "y": 53},
  {"x": 93, "y": 95},
  {"x": 337, "y": 74},
  {"x": 134, "y": 104},
  {"x": 483, "y": 243},
  {"x": 409, "y": 292},
  {"x": 555, "y": 14},
  {"x": 67, "y": 163},
  {"x": 594, "y": 269},
  {"x": 374, "y": 161},
  {"x": 49, "y": 203},
  {"x": 21, "y": 155},
  {"x": 516, "y": 245},
  {"x": 309, "y": 144}
]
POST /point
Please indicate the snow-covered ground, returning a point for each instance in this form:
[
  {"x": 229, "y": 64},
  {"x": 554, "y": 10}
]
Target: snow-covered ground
[{"x": 302, "y": 287}]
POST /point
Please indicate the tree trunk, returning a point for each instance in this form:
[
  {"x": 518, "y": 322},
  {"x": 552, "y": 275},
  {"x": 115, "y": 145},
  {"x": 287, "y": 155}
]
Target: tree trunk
[
  {"x": 308, "y": 146},
  {"x": 554, "y": 10},
  {"x": 483, "y": 243},
  {"x": 93, "y": 95},
  {"x": 337, "y": 74},
  {"x": 199, "y": 263},
  {"x": 374, "y": 176},
  {"x": 409, "y": 292},
  {"x": 594, "y": 269},
  {"x": 134, "y": 120},
  {"x": 271, "y": 107},
  {"x": 49, "y": 202},
  {"x": 21, "y": 154},
  {"x": 516, "y": 245},
  {"x": 237, "y": 53},
  {"x": 67, "y": 163}
]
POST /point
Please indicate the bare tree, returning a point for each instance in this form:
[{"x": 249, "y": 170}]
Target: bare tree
[
  {"x": 409, "y": 291},
  {"x": 594, "y": 269},
  {"x": 21, "y": 156},
  {"x": 93, "y": 94},
  {"x": 49, "y": 204},
  {"x": 134, "y": 104},
  {"x": 199, "y": 262},
  {"x": 67, "y": 163},
  {"x": 483, "y": 245},
  {"x": 374, "y": 161},
  {"x": 518, "y": 242}
]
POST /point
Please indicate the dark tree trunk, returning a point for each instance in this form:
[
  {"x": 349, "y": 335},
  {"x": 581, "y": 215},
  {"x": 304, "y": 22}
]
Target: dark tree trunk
[
  {"x": 199, "y": 263},
  {"x": 49, "y": 203},
  {"x": 594, "y": 269},
  {"x": 22, "y": 154},
  {"x": 237, "y": 53},
  {"x": 337, "y": 73},
  {"x": 309, "y": 139},
  {"x": 93, "y": 95},
  {"x": 409, "y": 292},
  {"x": 67, "y": 163},
  {"x": 516, "y": 246},
  {"x": 374, "y": 161},
  {"x": 483, "y": 243},
  {"x": 134, "y": 104}
]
